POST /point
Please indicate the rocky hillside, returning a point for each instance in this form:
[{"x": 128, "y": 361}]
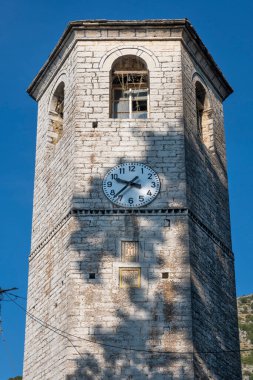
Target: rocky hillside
[{"x": 245, "y": 313}]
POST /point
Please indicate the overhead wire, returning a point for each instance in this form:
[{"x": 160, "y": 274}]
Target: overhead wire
[
  {"x": 67, "y": 335},
  {"x": 46, "y": 325},
  {"x": 15, "y": 295}
]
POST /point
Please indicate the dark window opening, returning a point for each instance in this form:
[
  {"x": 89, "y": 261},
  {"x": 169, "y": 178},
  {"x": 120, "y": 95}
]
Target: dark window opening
[
  {"x": 200, "y": 106},
  {"x": 204, "y": 114},
  {"x": 56, "y": 114},
  {"x": 165, "y": 275},
  {"x": 167, "y": 223},
  {"x": 92, "y": 276}
]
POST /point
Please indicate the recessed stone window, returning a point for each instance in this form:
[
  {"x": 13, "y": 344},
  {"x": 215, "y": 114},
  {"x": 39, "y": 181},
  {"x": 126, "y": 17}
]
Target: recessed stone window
[
  {"x": 165, "y": 275},
  {"x": 56, "y": 114},
  {"x": 92, "y": 276},
  {"x": 204, "y": 116},
  {"x": 129, "y": 88}
]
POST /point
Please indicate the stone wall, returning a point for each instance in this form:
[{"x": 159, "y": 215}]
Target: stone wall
[
  {"x": 214, "y": 312},
  {"x": 122, "y": 326},
  {"x": 54, "y": 171},
  {"x": 207, "y": 188},
  {"x": 49, "y": 294}
]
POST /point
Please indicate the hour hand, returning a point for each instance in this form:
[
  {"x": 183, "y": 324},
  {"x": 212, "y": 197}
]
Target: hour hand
[
  {"x": 121, "y": 180},
  {"x": 130, "y": 183}
]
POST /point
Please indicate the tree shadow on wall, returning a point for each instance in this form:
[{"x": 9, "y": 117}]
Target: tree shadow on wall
[
  {"x": 126, "y": 324},
  {"x": 125, "y": 328},
  {"x": 122, "y": 330}
]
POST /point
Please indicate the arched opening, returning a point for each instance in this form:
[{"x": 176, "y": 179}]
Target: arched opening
[
  {"x": 129, "y": 88},
  {"x": 200, "y": 106},
  {"x": 56, "y": 113},
  {"x": 204, "y": 116}
]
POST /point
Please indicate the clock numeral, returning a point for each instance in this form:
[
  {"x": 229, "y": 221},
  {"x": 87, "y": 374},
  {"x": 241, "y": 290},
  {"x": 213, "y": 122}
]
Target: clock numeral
[{"x": 131, "y": 184}]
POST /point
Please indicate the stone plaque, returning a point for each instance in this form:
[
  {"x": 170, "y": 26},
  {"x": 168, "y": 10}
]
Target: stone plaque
[
  {"x": 130, "y": 277},
  {"x": 130, "y": 251}
]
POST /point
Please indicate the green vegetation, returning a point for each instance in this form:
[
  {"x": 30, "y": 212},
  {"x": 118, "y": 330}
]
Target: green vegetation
[
  {"x": 16, "y": 378},
  {"x": 247, "y": 358},
  {"x": 249, "y": 318},
  {"x": 249, "y": 329},
  {"x": 247, "y": 373},
  {"x": 245, "y": 314}
]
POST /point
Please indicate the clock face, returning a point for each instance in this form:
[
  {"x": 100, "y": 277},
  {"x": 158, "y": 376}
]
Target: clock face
[{"x": 131, "y": 184}]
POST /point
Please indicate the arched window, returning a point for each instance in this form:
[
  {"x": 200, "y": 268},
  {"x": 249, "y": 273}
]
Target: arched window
[
  {"x": 200, "y": 106},
  {"x": 204, "y": 116},
  {"x": 129, "y": 88},
  {"x": 56, "y": 113}
]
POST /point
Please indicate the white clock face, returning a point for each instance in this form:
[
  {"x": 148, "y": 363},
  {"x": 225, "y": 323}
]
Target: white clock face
[{"x": 131, "y": 184}]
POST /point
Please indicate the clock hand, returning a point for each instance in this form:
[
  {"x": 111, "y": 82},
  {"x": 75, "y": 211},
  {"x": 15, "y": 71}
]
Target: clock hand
[
  {"x": 135, "y": 185},
  {"x": 121, "y": 180},
  {"x": 129, "y": 183}
]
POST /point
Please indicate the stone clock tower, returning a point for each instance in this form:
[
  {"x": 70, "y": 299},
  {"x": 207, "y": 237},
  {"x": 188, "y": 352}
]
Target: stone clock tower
[{"x": 131, "y": 268}]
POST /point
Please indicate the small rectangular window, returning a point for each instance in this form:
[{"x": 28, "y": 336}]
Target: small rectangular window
[{"x": 131, "y": 104}]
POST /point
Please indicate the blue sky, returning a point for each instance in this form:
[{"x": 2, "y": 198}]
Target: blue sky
[{"x": 28, "y": 32}]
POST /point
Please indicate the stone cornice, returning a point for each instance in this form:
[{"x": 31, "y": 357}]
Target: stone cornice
[
  {"x": 183, "y": 212},
  {"x": 166, "y": 30}
]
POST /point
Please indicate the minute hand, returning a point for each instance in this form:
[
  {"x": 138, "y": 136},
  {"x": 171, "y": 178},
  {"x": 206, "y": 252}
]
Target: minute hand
[{"x": 128, "y": 184}]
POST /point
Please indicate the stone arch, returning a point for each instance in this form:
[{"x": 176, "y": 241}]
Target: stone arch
[
  {"x": 62, "y": 77},
  {"x": 196, "y": 76},
  {"x": 149, "y": 57},
  {"x": 56, "y": 110}
]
